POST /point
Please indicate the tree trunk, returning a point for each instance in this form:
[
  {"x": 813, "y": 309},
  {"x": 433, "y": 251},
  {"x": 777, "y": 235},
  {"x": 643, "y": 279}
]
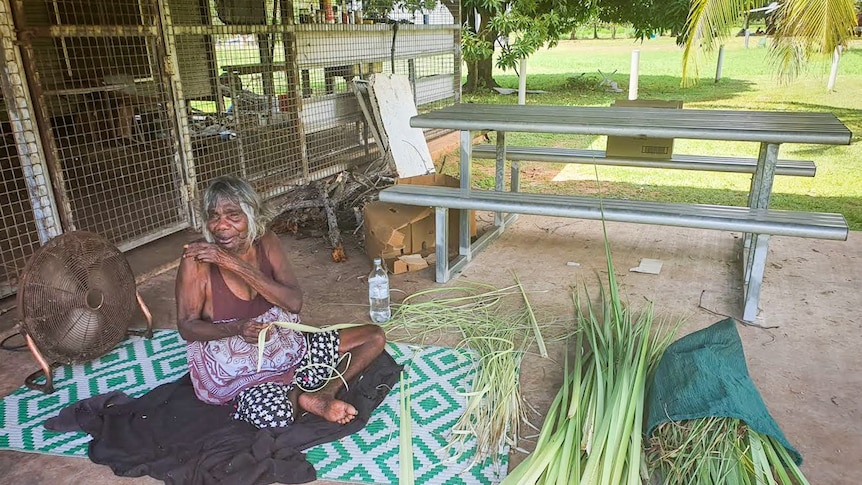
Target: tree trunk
[
  {"x": 454, "y": 7},
  {"x": 480, "y": 73}
]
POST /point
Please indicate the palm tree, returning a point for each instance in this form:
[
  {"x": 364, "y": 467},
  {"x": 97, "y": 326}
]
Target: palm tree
[{"x": 803, "y": 29}]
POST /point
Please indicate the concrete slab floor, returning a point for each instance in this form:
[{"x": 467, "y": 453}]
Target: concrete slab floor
[{"x": 804, "y": 359}]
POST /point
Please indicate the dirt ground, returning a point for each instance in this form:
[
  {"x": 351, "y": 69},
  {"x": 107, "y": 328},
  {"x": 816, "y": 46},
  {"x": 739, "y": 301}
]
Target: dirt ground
[{"x": 805, "y": 358}]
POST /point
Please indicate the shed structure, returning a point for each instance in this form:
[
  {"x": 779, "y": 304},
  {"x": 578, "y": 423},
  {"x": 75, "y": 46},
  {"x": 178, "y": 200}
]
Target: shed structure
[{"x": 116, "y": 114}]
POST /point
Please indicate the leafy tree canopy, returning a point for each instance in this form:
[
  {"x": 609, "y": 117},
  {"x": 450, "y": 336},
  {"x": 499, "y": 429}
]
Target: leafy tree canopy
[
  {"x": 803, "y": 28},
  {"x": 527, "y": 26},
  {"x": 647, "y": 17}
]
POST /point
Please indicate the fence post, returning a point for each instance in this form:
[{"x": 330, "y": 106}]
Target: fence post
[
  {"x": 522, "y": 82},
  {"x": 633, "y": 77},
  {"x": 833, "y": 74}
]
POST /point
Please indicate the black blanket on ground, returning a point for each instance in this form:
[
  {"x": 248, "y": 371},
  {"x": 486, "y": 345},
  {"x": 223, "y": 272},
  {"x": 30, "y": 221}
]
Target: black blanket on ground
[{"x": 172, "y": 436}]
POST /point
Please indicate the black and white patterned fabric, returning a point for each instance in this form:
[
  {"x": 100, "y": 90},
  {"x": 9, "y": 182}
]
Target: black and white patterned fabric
[
  {"x": 268, "y": 406},
  {"x": 265, "y": 405},
  {"x": 316, "y": 366}
]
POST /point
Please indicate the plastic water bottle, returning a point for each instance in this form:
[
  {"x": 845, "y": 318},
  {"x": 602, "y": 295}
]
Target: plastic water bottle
[{"x": 378, "y": 293}]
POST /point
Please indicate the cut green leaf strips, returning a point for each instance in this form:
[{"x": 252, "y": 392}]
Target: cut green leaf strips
[
  {"x": 498, "y": 326},
  {"x": 593, "y": 431}
]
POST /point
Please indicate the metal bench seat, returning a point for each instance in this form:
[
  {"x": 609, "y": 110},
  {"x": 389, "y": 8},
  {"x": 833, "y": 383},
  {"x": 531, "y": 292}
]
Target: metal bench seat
[
  {"x": 760, "y": 224},
  {"x": 801, "y": 168},
  {"x": 724, "y": 218}
]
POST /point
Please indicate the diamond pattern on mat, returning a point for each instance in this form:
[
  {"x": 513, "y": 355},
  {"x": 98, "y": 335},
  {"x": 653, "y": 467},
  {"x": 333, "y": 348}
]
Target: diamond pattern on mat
[
  {"x": 436, "y": 374},
  {"x": 134, "y": 367}
]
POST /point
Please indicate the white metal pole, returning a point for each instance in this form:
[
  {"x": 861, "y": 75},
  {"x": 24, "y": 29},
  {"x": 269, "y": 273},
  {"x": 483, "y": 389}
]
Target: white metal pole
[
  {"x": 719, "y": 64},
  {"x": 522, "y": 82},
  {"x": 515, "y": 168},
  {"x": 833, "y": 74},
  {"x": 633, "y": 77}
]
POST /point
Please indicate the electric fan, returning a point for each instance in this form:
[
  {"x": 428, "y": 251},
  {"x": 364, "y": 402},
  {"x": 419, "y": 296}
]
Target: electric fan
[{"x": 75, "y": 298}]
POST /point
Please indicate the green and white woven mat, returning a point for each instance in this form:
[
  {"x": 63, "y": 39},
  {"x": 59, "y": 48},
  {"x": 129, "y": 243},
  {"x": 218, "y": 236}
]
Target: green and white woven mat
[{"x": 369, "y": 456}]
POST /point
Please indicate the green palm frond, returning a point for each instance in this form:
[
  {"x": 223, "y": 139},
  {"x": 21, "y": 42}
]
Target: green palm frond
[
  {"x": 803, "y": 29},
  {"x": 709, "y": 21},
  {"x": 806, "y": 28}
]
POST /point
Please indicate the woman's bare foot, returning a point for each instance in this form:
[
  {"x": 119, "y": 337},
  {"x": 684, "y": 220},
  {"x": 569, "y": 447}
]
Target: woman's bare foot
[{"x": 327, "y": 407}]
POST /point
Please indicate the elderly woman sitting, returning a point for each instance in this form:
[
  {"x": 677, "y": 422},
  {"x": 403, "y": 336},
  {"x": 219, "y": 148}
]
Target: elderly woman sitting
[{"x": 229, "y": 287}]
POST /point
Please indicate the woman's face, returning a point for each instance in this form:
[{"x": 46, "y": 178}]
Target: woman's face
[{"x": 228, "y": 225}]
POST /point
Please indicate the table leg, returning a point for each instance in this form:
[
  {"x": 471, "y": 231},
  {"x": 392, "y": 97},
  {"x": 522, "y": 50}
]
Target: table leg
[
  {"x": 464, "y": 220},
  {"x": 466, "y": 155},
  {"x": 441, "y": 222},
  {"x": 754, "y": 273},
  {"x": 516, "y": 176},
  {"x": 757, "y": 245},
  {"x": 761, "y": 181},
  {"x": 499, "y": 173},
  {"x": 446, "y": 269},
  {"x": 502, "y": 220}
]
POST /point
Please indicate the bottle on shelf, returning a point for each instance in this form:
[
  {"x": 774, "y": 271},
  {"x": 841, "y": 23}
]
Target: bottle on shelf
[
  {"x": 345, "y": 15},
  {"x": 378, "y": 293},
  {"x": 329, "y": 14}
]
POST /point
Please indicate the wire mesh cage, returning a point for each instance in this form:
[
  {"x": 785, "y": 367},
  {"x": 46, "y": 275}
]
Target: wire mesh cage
[
  {"x": 19, "y": 236},
  {"x": 137, "y": 104},
  {"x": 97, "y": 71},
  {"x": 274, "y": 99}
]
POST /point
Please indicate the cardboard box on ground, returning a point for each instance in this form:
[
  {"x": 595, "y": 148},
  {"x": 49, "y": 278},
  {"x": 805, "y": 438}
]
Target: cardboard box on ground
[
  {"x": 404, "y": 235},
  {"x": 641, "y": 147}
]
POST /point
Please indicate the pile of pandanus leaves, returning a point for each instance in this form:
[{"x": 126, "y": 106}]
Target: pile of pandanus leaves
[
  {"x": 593, "y": 432},
  {"x": 497, "y": 326},
  {"x": 719, "y": 450}
]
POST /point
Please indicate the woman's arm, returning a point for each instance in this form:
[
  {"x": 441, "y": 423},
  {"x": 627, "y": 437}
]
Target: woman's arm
[
  {"x": 289, "y": 291},
  {"x": 282, "y": 290},
  {"x": 191, "y": 292}
]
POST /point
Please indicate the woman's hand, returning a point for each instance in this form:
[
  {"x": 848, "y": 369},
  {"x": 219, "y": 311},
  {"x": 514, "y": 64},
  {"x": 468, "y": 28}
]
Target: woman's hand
[
  {"x": 250, "y": 330},
  {"x": 205, "y": 252}
]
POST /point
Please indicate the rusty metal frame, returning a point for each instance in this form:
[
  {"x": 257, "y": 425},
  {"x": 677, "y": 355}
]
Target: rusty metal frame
[
  {"x": 183, "y": 147},
  {"x": 17, "y": 95},
  {"x": 155, "y": 48},
  {"x": 52, "y": 158}
]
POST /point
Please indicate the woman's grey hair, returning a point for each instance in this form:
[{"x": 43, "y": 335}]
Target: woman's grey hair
[{"x": 240, "y": 192}]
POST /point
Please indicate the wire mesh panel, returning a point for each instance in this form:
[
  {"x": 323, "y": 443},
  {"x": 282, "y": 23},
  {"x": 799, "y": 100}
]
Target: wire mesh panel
[
  {"x": 19, "y": 237},
  {"x": 332, "y": 56},
  {"x": 27, "y": 213},
  {"x": 239, "y": 92},
  {"x": 124, "y": 109},
  {"x": 100, "y": 85},
  {"x": 269, "y": 84}
]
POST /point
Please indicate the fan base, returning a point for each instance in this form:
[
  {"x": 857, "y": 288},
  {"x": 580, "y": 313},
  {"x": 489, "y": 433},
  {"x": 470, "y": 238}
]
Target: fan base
[
  {"x": 47, "y": 369},
  {"x": 48, "y": 386}
]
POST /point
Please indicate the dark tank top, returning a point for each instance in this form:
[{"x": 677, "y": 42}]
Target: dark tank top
[{"x": 226, "y": 305}]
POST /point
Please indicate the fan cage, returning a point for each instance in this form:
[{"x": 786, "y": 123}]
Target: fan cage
[{"x": 76, "y": 298}]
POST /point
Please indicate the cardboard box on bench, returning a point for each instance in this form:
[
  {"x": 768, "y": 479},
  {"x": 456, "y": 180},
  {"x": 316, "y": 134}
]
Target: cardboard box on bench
[
  {"x": 393, "y": 230},
  {"x": 641, "y": 147}
]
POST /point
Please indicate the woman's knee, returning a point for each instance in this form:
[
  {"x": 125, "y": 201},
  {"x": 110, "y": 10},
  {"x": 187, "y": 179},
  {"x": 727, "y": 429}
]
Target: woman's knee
[
  {"x": 368, "y": 336},
  {"x": 377, "y": 337}
]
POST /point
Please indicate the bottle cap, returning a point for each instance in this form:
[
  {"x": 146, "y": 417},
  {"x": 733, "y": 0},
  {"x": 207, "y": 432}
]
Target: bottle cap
[{"x": 377, "y": 261}]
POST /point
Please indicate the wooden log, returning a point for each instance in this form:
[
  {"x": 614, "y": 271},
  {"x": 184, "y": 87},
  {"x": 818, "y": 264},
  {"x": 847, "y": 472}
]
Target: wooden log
[{"x": 335, "y": 241}]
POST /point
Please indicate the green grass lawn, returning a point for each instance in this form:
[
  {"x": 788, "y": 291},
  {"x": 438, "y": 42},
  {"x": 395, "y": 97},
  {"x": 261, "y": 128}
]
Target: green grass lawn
[{"x": 569, "y": 74}]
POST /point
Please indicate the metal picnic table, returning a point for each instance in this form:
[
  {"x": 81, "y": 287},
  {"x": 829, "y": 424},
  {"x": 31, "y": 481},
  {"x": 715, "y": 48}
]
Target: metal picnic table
[{"x": 769, "y": 129}]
